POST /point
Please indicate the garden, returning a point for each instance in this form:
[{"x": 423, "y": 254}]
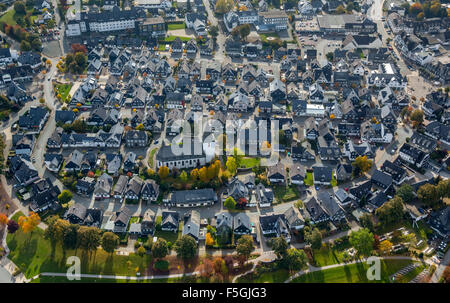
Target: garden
[
  {"x": 286, "y": 193},
  {"x": 62, "y": 91}
]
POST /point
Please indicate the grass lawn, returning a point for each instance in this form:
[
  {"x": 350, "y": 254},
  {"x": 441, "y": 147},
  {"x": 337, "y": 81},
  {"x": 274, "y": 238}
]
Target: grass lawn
[
  {"x": 10, "y": 16},
  {"x": 411, "y": 275},
  {"x": 175, "y": 26},
  {"x": 277, "y": 276},
  {"x": 171, "y": 38},
  {"x": 45, "y": 279},
  {"x": 264, "y": 36},
  {"x": 33, "y": 255},
  {"x": 167, "y": 235},
  {"x": 162, "y": 47},
  {"x": 326, "y": 256},
  {"x": 309, "y": 179},
  {"x": 63, "y": 90},
  {"x": 353, "y": 273},
  {"x": 249, "y": 162},
  {"x": 152, "y": 155},
  {"x": 285, "y": 194}
]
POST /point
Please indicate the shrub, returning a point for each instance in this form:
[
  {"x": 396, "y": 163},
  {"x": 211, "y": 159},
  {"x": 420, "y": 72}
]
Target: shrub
[{"x": 161, "y": 265}]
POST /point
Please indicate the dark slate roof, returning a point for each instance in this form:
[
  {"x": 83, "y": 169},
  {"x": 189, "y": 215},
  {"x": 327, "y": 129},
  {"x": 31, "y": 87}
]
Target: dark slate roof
[
  {"x": 194, "y": 196},
  {"x": 382, "y": 178}
]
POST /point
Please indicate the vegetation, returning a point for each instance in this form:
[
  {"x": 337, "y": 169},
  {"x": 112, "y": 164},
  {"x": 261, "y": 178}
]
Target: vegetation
[
  {"x": 62, "y": 91},
  {"x": 313, "y": 237},
  {"x": 175, "y": 26},
  {"x": 286, "y": 193},
  {"x": 362, "y": 240},
  {"x": 186, "y": 247},
  {"x": 245, "y": 246},
  {"x": 75, "y": 63},
  {"x": 223, "y": 6}
]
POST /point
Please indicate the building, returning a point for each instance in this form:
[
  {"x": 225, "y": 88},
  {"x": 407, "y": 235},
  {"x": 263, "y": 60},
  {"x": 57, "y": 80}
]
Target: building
[
  {"x": 193, "y": 198},
  {"x": 153, "y": 27},
  {"x": 346, "y": 24}
]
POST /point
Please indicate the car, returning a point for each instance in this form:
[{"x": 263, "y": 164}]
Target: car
[
  {"x": 317, "y": 187},
  {"x": 156, "y": 141},
  {"x": 381, "y": 147}
]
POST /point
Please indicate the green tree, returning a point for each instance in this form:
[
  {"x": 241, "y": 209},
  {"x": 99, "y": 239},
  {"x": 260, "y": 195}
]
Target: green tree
[
  {"x": 71, "y": 236},
  {"x": 214, "y": 31},
  {"x": 141, "y": 251},
  {"x": 89, "y": 238},
  {"x": 280, "y": 246},
  {"x": 340, "y": 10},
  {"x": 231, "y": 165},
  {"x": 110, "y": 241},
  {"x": 160, "y": 249},
  {"x": 363, "y": 163},
  {"x": 428, "y": 194},
  {"x": 186, "y": 247},
  {"x": 443, "y": 188},
  {"x": 330, "y": 56},
  {"x": 391, "y": 211},
  {"x": 25, "y": 46},
  {"x": 19, "y": 8},
  {"x": 183, "y": 176},
  {"x": 295, "y": 259},
  {"x": 65, "y": 196},
  {"x": 313, "y": 237},
  {"x": 245, "y": 246},
  {"x": 406, "y": 193},
  {"x": 229, "y": 203},
  {"x": 36, "y": 44},
  {"x": 366, "y": 221},
  {"x": 417, "y": 117},
  {"x": 362, "y": 240}
]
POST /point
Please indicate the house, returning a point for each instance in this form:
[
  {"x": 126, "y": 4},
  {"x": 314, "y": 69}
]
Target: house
[
  {"x": 23, "y": 144},
  {"x": 322, "y": 175},
  {"x": 399, "y": 175},
  {"x": 343, "y": 172},
  {"x": 423, "y": 142},
  {"x": 148, "y": 222},
  {"x": 33, "y": 121},
  {"x": 65, "y": 116},
  {"x": 360, "y": 191},
  {"x": 191, "y": 225},
  {"x": 170, "y": 221},
  {"x": 264, "y": 196},
  {"x": 277, "y": 173},
  {"x": 412, "y": 155},
  {"x": 301, "y": 153},
  {"x": 342, "y": 197},
  {"x": 136, "y": 138},
  {"x": 294, "y": 218},
  {"x": 103, "y": 187},
  {"x": 133, "y": 189},
  {"x": 186, "y": 159},
  {"x": 378, "y": 199},
  {"x": 315, "y": 211},
  {"x": 129, "y": 165},
  {"x": 23, "y": 170},
  {"x": 79, "y": 214},
  {"x": 439, "y": 221},
  {"x": 334, "y": 210},
  {"x": 119, "y": 188},
  {"x": 73, "y": 163},
  {"x": 241, "y": 224},
  {"x": 193, "y": 198},
  {"x": 238, "y": 190},
  {"x": 122, "y": 219},
  {"x": 113, "y": 163},
  {"x": 150, "y": 190},
  {"x": 381, "y": 179},
  {"x": 297, "y": 174},
  {"x": 45, "y": 196},
  {"x": 438, "y": 131},
  {"x": 224, "y": 227},
  {"x": 85, "y": 186},
  {"x": 274, "y": 226},
  {"x": 53, "y": 161}
]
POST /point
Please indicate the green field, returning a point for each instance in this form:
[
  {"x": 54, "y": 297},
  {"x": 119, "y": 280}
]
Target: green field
[
  {"x": 327, "y": 256},
  {"x": 171, "y": 38},
  {"x": 45, "y": 279},
  {"x": 249, "y": 162},
  {"x": 63, "y": 90},
  {"x": 411, "y": 275},
  {"x": 309, "y": 181},
  {"x": 277, "y": 276},
  {"x": 33, "y": 255},
  {"x": 175, "y": 26},
  {"x": 353, "y": 273},
  {"x": 10, "y": 17},
  {"x": 285, "y": 194},
  {"x": 151, "y": 156}
]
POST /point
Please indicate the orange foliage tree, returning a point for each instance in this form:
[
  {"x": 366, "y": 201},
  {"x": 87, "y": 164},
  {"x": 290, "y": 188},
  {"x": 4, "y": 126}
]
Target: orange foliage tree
[{"x": 28, "y": 224}]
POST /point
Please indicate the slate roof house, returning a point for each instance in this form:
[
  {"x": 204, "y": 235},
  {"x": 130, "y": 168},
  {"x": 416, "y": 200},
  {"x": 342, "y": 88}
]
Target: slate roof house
[
  {"x": 148, "y": 222},
  {"x": 170, "y": 221},
  {"x": 274, "y": 226},
  {"x": 121, "y": 219},
  {"x": 316, "y": 212},
  {"x": 322, "y": 175},
  {"x": 334, "y": 210},
  {"x": 34, "y": 120},
  {"x": 103, "y": 187},
  {"x": 264, "y": 196},
  {"x": 150, "y": 190},
  {"x": 439, "y": 221},
  {"x": 135, "y": 138},
  {"x": 294, "y": 218},
  {"x": 85, "y": 186},
  {"x": 133, "y": 189},
  {"x": 381, "y": 179},
  {"x": 193, "y": 198},
  {"x": 79, "y": 214},
  {"x": 277, "y": 173},
  {"x": 241, "y": 224},
  {"x": 23, "y": 170},
  {"x": 412, "y": 155},
  {"x": 45, "y": 195},
  {"x": 297, "y": 174},
  {"x": 191, "y": 226}
]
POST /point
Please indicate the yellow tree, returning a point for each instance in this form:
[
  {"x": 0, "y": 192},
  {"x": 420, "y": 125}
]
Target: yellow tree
[
  {"x": 231, "y": 165},
  {"x": 203, "y": 174},
  {"x": 363, "y": 163},
  {"x": 194, "y": 174},
  {"x": 28, "y": 224},
  {"x": 163, "y": 172},
  {"x": 3, "y": 219},
  {"x": 385, "y": 247},
  {"x": 209, "y": 241},
  {"x": 211, "y": 172},
  {"x": 217, "y": 166}
]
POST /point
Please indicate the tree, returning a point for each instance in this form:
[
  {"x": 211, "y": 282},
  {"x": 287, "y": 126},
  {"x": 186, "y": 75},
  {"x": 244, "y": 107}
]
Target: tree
[
  {"x": 88, "y": 237},
  {"x": 313, "y": 237},
  {"x": 366, "y": 221},
  {"x": 245, "y": 246},
  {"x": 194, "y": 174},
  {"x": 209, "y": 241},
  {"x": 203, "y": 174},
  {"x": 385, "y": 247},
  {"x": 110, "y": 242},
  {"x": 211, "y": 171},
  {"x": 19, "y": 8},
  {"x": 280, "y": 246},
  {"x": 219, "y": 266},
  {"x": 141, "y": 251},
  {"x": 3, "y": 219},
  {"x": 415, "y": 9},
  {"x": 214, "y": 31},
  {"x": 244, "y": 30},
  {"x": 295, "y": 259},
  {"x": 186, "y": 247},
  {"x": 223, "y": 6},
  {"x": 65, "y": 196},
  {"x": 206, "y": 269},
  {"x": 13, "y": 226},
  {"x": 363, "y": 163},
  {"x": 428, "y": 194},
  {"x": 229, "y": 203},
  {"x": 362, "y": 240},
  {"x": 70, "y": 237},
  {"x": 140, "y": 127},
  {"x": 330, "y": 56},
  {"x": 160, "y": 248},
  {"x": 340, "y": 10},
  {"x": 416, "y": 117},
  {"x": 28, "y": 224},
  {"x": 56, "y": 230},
  {"x": 390, "y": 211},
  {"x": 25, "y": 46},
  {"x": 231, "y": 165},
  {"x": 183, "y": 176},
  {"x": 163, "y": 172},
  {"x": 446, "y": 274},
  {"x": 406, "y": 193},
  {"x": 443, "y": 188}
]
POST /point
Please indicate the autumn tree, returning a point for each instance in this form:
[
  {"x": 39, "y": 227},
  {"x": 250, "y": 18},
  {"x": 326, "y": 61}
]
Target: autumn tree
[
  {"x": 140, "y": 127},
  {"x": 209, "y": 241},
  {"x": 28, "y": 224},
  {"x": 390, "y": 211},
  {"x": 385, "y": 247},
  {"x": 206, "y": 269},
  {"x": 141, "y": 251},
  {"x": 415, "y": 9},
  {"x": 183, "y": 176},
  {"x": 363, "y": 164},
  {"x": 417, "y": 117},
  {"x": 13, "y": 226},
  {"x": 163, "y": 172},
  {"x": 428, "y": 194},
  {"x": 110, "y": 241},
  {"x": 223, "y": 6},
  {"x": 313, "y": 237},
  {"x": 3, "y": 219},
  {"x": 362, "y": 240},
  {"x": 89, "y": 238},
  {"x": 231, "y": 165},
  {"x": 229, "y": 203},
  {"x": 186, "y": 247},
  {"x": 220, "y": 267},
  {"x": 245, "y": 246},
  {"x": 194, "y": 174},
  {"x": 211, "y": 171},
  {"x": 203, "y": 174},
  {"x": 160, "y": 248}
]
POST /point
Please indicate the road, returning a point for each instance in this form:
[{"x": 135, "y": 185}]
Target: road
[
  {"x": 440, "y": 269},
  {"x": 220, "y": 52},
  {"x": 5, "y": 276}
]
